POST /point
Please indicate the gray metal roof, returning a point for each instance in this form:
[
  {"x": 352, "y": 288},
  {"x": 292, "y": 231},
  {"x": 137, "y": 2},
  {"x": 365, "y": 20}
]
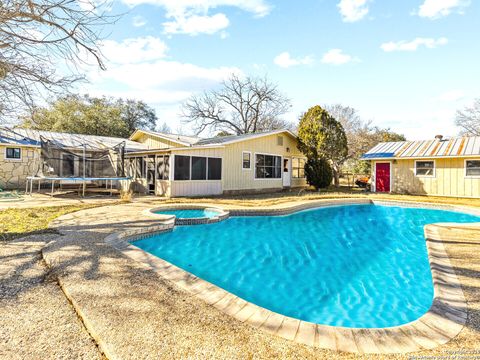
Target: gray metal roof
[
  {"x": 454, "y": 147},
  {"x": 29, "y": 137}
]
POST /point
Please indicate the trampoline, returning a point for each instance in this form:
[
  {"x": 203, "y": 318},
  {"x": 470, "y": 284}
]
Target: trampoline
[{"x": 78, "y": 162}]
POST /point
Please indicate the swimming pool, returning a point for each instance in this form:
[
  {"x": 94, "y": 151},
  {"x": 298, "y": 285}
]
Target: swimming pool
[
  {"x": 190, "y": 213},
  {"x": 352, "y": 266}
]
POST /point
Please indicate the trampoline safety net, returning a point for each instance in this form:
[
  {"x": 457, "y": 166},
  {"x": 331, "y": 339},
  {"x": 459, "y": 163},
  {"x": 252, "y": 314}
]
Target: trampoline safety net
[{"x": 84, "y": 161}]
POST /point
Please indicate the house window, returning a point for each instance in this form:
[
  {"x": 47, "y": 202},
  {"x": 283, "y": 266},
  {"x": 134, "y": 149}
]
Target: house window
[
  {"x": 163, "y": 167},
  {"x": 268, "y": 166},
  {"x": 425, "y": 168},
  {"x": 182, "y": 167},
  {"x": 298, "y": 168},
  {"x": 214, "y": 169},
  {"x": 472, "y": 168},
  {"x": 13, "y": 153},
  {"x": 280, "y": 140},
  {"x": 246, "y": 160},
  {"x": 199, "y": 168}
]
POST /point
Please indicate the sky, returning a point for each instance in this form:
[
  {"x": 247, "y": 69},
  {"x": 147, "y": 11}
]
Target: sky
[{"x": 405, "y": 65}]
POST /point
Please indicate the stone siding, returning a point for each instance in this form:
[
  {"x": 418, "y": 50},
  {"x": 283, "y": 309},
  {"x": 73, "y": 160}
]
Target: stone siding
[{"x": 13, "y": 173}]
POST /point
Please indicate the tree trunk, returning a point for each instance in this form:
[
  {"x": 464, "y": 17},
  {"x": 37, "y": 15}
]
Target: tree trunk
[{"x": 336, "y": 178}]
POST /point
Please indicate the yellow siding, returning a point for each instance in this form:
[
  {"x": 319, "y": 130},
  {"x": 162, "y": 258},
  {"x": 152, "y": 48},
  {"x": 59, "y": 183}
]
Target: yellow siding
[
  {"x": 154, "y": 142},
  {"x": 236, "y": 178},
  {"x": 449, "y": 179}
]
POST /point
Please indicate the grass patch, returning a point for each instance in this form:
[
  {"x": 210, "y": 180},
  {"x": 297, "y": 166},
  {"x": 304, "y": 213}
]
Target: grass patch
[{"x": 15, "y": 223}]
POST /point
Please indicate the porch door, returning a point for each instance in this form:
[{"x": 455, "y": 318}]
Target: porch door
[
  {"x": 287, "y": 172},
  {"x": 382, "y": 177}
]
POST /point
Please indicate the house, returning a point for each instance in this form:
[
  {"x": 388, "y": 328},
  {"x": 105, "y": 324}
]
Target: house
[
  {"x": 177, "y": 165},
  {"x": 164, "y": 164},
  {"x": 20, "y": 153},
  {"x": 440, "y": 167}
]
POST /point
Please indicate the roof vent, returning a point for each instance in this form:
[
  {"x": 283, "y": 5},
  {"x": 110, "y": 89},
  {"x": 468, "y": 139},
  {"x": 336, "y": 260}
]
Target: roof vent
[{"x": 439, "y": 137}]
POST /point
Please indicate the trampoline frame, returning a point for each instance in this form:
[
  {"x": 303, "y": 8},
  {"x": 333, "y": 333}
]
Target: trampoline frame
[{"x": 83, "y": 180}]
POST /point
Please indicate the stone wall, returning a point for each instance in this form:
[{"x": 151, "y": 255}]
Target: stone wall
[{"x": 13, "y": 173}]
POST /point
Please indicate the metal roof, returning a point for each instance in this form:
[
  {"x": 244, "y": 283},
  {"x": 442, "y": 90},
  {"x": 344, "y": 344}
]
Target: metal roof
[
  {"x": 220, "y": 140},
  {"x": 454, "y": 147},
  {"x": 180, "y": 139},
  {"x": 29, "y": 137}
]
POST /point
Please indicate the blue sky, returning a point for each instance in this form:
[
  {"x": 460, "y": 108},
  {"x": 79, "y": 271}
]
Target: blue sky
[{"x": 406, "y": 65}]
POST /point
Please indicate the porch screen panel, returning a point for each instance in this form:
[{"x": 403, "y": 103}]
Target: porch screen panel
[
  {"x": 182, "y": 167},
  {"x": 199, "y": 168},
  {"x": 214, "y": 169}
]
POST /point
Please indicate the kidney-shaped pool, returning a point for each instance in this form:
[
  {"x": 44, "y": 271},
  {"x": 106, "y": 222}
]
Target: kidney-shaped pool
[{"x": 353, "y": 266}]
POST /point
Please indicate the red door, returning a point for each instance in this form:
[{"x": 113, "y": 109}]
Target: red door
[{"x": 382, "y": 178}]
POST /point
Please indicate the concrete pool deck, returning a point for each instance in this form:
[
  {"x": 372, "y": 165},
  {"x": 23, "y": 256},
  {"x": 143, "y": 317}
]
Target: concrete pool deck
[{"x": 133, "y": 313}]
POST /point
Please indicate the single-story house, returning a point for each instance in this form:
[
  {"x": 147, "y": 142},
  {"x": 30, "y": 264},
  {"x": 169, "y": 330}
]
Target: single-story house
[
  {"x": 177, "y": 165},
  {"x": 440, "y": 167},
  {"x": 166, "y": 164}
]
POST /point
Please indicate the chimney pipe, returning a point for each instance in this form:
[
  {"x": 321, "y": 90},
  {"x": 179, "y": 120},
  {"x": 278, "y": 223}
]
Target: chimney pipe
[{"x": 438, "y": 137}]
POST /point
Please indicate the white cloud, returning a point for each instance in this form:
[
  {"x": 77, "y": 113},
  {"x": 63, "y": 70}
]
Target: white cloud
[
  {"x": 285, "y": 60},
  {"x": 452, "y": 96},
  {"x": 134, "y": 50},
  {"x": 414, "y": 44},
  {"x": 139, "y": 68},
  {"x": 139, "y": 21},
  {"x": 435, "y": 9},
  {"x": 192, "y": 16},
  {"x": 353, "y": 10},
  {"x": 196, "y": 24},
  {"x": 337, "y": 57}
]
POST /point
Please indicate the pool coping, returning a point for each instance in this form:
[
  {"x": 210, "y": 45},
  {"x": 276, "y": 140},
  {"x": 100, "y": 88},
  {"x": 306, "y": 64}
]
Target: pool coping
[
  {"x": 222, "y": 214},
  {"x": 442, "y": 322}
]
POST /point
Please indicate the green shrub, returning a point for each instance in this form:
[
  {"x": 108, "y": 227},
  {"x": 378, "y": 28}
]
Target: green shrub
[{"x": 319, "y": 173}]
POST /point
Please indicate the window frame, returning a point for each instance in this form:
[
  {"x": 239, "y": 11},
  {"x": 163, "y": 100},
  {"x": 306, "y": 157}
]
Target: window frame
[
  {"x": 465, "y": 166},
  {"x": 172, "y": 167},
  {"x": 273, "y": 178},
  {"x": 249, "y": 160},
  {"x": 13, "y": 158},
  {"x": 298, "y": 168},
  {"x": 426, "y": 176}
]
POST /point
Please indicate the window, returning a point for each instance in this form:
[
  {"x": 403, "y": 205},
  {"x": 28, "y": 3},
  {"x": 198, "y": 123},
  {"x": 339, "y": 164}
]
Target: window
[
  {"x": 163, "y": 167},
  {"x": 298, "y": 168},
  {"x": 280, "y": 140},
  {"x": 182, "y": 167},
  {"x": 246, "y": 160},
  {"x": 199, "y": 168},
  {"x": 13, "y": 153},
  {"x": 472, "y": 168},
  {"x": 268, "y": 167},
  {"x": 214, "y": 169},
  {"x": 425, "y": 168},
  {"x": 68, "y": 165}
]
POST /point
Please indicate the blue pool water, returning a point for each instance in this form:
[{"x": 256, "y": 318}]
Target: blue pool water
[
  {"x": 352, "y": 266},
  {"x": 189, "y": 213}
]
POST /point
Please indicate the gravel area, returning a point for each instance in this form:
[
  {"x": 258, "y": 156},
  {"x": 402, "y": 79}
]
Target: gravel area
[
  {"x": 132, "y": 313},
  {"x": 36, "y": 319}
]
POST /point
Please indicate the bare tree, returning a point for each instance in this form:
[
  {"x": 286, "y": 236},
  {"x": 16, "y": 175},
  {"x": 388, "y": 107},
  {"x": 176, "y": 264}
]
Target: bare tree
[
  {"x": 40, "y": 41},
  {"x": 361, "y": 134},
  {"x": 241, "y": 106},
  {"x": 468, "y": 119}
]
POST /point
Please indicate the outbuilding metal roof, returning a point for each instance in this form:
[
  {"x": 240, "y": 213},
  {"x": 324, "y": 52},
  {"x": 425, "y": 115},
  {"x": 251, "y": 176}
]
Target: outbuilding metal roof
[
  {"x": 454, "y": 147},
  {"x": 29, "y": 137}
]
